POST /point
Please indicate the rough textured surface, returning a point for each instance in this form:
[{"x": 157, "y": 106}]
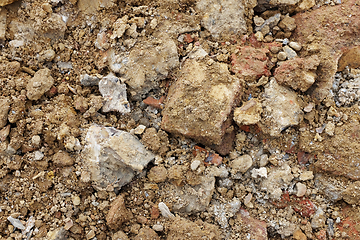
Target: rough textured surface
[
  {"x": 223, "y": 18},
  {"x": 183, "y": 229},
  {"x": 113, "y": 157},
  {"x": 114, "y": 94},
  {"x": 253, "y": 227},
  {"x": 200, "y": 101},
  {"x": 248, "y": 113},
  {"x": 4, "y": 109},
  {"x": 39, "y": 84},
  {"x": 281, "y": 109},
  {"x": 297, "y": 73},
  {"x": 118, "y": 214},
  {"x": 144, "y": 66}
]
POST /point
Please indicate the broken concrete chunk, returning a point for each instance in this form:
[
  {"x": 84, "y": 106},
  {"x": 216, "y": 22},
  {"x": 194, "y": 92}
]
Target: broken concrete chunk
[
  {"x": 223, "y": 18},
  {"x": 281, "y": 109},
  {"x": 146, "y": 64},
  {"x": 298, "y": 73},
  {"x": 113, "y": 157},
  {"x": 249, "y": 113},
  {"x": 114, "y": 94},
  {"x": 200, "y": 101},
  {"x": 39, "y": 84},
  {"x": 278, "y": 178}
]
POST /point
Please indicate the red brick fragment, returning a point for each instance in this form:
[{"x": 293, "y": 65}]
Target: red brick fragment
[
  {"x": 210, "y": 158},
  {"x": 156, "y": 103}
]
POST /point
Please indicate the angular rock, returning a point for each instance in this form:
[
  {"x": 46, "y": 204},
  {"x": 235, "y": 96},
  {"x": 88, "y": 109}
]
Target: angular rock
[
  {"x": 278, "y": 178},
  {"x": 248, "y": 113},
  {"x": 4, "y": 111},
  {"x": 88, "y": 80},
  {"x": 191, "y": 198},
  {"x": 298, "y": 73},
  {"x": 250, "y": 63},
  {"x": 120, "y": 235},
  {"x": 224, "y": 211},
  {"x": 332, "y": 188},
  {"x": 290, "y": 53},
  {"x": 331, "y": 40},
  {"x": 3, "y": 13},
  {"x": 319, "y": 219},
  {"x": 39, "y": 84},
  {"x": 114, "y": 94},
  {"x": 281, "y": 109},
  {"x": 249, "y": 226},
  {"x": 224, "y": 18},
  {"x": 351, "y": 194},
  {"x": 287, "y": 24},
  {"x": 118, "y": 214},
  {"x": 113, "y": 157},
  {"x": 146, "y": 64},
  {"x": 183, "y": 229},
  {"x": 200, "y": 101}
]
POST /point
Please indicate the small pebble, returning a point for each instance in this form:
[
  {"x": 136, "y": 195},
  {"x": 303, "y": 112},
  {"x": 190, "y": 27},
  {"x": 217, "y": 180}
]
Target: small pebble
[
  {"x": 195, "y": 164},
  {"x": 281, "y": 56},
  {"x": 290, "y": 53},
  {"x": 296, "y": 46},
  {"x": 264, "y": 159},
  {"x": 158, "y": 227},
  {"x": 307, "y": 175},
  {"x": 301, "y": 189},
  {"x": 258, "y": 21},
  {"x": 259, "y": 36},
  {"x": 247, "y": 201},
  {"x": 165, "y": 210},
  {"x": 76, "y": 200},
  {"x": 139, "y": 129},
  {"x": 309, "y": 107},
  {"x": 261, "y": 172}
]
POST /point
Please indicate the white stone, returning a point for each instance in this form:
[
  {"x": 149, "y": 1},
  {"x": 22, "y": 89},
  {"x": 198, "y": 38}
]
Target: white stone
[
  {"x": 301, "y": 189},
  {"x": 158, "y": 227},
  {"x": 290, "y": 53},
  {"x": 295, "y": 45},
  {"x": 165, "y": 212},
  {"x": 307, "y": 175},
  {"x": 139, "y": 129},
  {"x": 260, "y": 172},
  {"x": 195, "y": 164}
]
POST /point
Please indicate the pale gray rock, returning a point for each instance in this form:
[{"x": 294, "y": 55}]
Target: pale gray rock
[
  {"x": 281, "y": 109},
  {"x": 332, "y": 188},
  {"x": 224, "y": 211},
  {"x": 88, "y": 80},
  {"x": 319, "y": 219},
  {"x": 114, "y": 94},
  {"x": 241, "y": 164},
  {"x": 290, "y": 53},
  {"x": 146, "y": 64},
  {"x": 113, "y": 157},
  {"x": 270, "y": 22},
  {"x": 223, "y": 18}
]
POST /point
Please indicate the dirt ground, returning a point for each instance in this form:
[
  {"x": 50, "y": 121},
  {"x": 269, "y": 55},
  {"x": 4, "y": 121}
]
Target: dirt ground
[{"x": 179, "y": 119}]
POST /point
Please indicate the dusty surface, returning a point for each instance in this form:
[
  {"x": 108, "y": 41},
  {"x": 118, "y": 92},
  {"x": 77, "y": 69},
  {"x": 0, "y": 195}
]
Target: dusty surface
[{"x": 186, "y": 119}]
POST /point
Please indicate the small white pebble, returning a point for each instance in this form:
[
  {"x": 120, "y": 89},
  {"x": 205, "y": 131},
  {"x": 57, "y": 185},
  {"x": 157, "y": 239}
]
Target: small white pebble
[
  {"x": 158, "y": 227},
  {"x": 309, "y": 107},
  {"x": 296, "y": 46},
  {"x": 261, "y": 172},
  {"x": 139, "y": 129},
  {"x": 307, "y": 175},
  {"x": 281, "y": 56},
  {"x": 301, "y": 189},
  {"x": 165, "y": 210},
  {"x": 195, "y": 164}
]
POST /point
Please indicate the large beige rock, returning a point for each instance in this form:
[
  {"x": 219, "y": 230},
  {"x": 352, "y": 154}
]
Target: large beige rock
[{"x": 200, "y": 101}]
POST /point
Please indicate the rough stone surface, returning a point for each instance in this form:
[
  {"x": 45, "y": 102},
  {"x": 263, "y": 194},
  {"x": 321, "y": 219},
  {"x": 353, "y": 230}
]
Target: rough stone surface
[
  {"x": 332, "y": 188},
  {"x": 224, "y": 211},
  {"x": 279, "y": 178},
  {"x": 270, "y": 22},
  {"x": 319, "y": 219},
  {"x": 118, "y": 214},
  {"x": 254, "y": 228},
  {"x": 250, "y": 63},
  {"x": 298, "y": 73},
  {"x": 88, "y": 80},
  {"x": 144, "y": 66},
  {"x": 147, "y": 234},
  {"x": 120, "y": 235},
  {"x": 248, "y": 113},
  {"x": 113, "y": 157},
  {"x": 287, "y": 24},
  {"x": 39, "y": 84},
  {"x": 331, "y": 39},
  {"x": 299, "y": 235},
  {"x": 183, "y": 229},
  {"x": 8, "y": 68},
  {"x": 157, "y": 174},
  {"x": 351, "y": 194},
  {"x": 4, "y": 110},
  {"x": 114, "y": 94},
  {"x": 223, "y": 18},
  {"x": 6, "y": 2},
  {"x": 200, "y": 101},
  {"x": 62, "y": 159},
  {"x": 281, "y": 109}
]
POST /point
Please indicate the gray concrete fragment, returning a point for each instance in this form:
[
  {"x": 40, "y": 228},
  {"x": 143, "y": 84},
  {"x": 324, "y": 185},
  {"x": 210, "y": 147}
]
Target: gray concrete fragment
[
  {"x": 113, "y": 157},
  {"x": 114, "y": 94}
]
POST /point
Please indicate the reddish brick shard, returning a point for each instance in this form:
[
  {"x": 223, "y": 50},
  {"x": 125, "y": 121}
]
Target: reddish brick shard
[
  {"x": 200, "y": 101},
  {"x": 250, "y": 63}
]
